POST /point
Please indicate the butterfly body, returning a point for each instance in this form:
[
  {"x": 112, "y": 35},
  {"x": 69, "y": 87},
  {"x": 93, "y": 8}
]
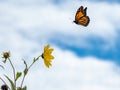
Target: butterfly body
[{"x": 81, "y": 18}]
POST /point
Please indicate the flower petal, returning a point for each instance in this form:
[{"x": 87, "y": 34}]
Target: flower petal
[
  {"x": 46, "y": 48},
  {"x": 47, "y": 56},
  {"x": 50, "y": 51},
  {"x": 47, "y": 64}
]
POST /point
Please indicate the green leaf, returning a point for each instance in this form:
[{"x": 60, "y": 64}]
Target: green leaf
[
  {"x": 26, "y": 68},
  {"x": 25, "y": 63},
  {"x": 25, "y": 71},
  {"x": 24, "y": 88},
  {"x": 11, "y": 82},
  {"x": 35, "y": 59},
  {"x": 18, "y": 75}
]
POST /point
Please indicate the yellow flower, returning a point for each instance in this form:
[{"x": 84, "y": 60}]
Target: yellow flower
[{"x": 47, "y": 56}]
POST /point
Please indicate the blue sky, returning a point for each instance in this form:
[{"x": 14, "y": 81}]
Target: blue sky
[
  {"x": 95, "y": 49},
  {"x": 108, "y": 1},
  {"x": 96, "y": 42},
  {"x": 86, "y": 58}
]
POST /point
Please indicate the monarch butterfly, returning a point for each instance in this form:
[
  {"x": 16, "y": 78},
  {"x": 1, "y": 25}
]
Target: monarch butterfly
[{"x": 81, "y": 18}]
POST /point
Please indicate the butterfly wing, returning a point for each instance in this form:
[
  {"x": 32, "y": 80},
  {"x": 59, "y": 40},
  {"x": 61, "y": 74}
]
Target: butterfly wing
[
  {"x": 85, "y": 10},
  {"x": 79, "y": 13},
  {"x": 84, "y": 21},
  {"x": 81, "y": 18}
]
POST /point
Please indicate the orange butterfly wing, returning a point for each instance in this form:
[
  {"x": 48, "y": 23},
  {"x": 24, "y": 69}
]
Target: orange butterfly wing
[
  {"x": 81, "y": 18},
  {"x": 79, "y": 13},
  {"x": 84, "y": 21}
]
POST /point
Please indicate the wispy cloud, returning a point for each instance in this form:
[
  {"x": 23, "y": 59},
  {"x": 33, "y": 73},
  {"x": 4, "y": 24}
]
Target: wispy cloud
[
  {"x": 73, "y": 73},
  {"x": 26, "y": 26}
]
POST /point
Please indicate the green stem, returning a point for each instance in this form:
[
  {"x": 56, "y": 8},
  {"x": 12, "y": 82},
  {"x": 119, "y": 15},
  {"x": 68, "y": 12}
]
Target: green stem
[
  {"x": 13, "y": 71},
  {"x": 2, "y": 67},
  {"x": 5, "y": 83},
  {"x": 34, "y": 62},
  {"x": 22, "y": 81},
  {"x": 29, "y": 69}
]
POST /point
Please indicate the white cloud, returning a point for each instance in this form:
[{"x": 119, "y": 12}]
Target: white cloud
[
  {"x": 73, "y": 73},
  {"x": 42, "y": 21},
  {"x": 38, "y": 23}
]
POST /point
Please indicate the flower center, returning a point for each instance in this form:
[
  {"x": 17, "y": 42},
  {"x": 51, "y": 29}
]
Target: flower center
[{"x": 42, "y": 56}]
